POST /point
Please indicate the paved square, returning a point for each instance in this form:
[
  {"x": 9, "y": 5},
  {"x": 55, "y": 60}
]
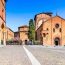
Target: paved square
[
  {"x": 13, "y": 55},
  {"x": 48, "y": 55},
  {"x": 16, "y": 55}
]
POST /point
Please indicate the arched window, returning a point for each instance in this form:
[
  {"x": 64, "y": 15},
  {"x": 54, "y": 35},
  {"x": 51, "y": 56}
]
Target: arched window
[{"x": 44, "y": 35}]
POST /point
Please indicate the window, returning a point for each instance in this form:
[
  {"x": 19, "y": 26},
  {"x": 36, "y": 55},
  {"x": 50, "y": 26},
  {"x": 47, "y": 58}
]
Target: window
[
  {"x": 2, "y": 10},
  {"x": 44, "y": 35},
  {"x": 47, "y": 29},
  {"x": 53, "y": 30},
  {"x": 57, "y": 25},
  {"x": 47, "y": 33},
  {"x": 60, "y": 30}
]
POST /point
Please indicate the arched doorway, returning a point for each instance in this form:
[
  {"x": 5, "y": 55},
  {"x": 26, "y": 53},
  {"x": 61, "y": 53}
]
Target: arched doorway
[
  {"x": 26, "y": 42},
  {"x": 57, "y": 41}
]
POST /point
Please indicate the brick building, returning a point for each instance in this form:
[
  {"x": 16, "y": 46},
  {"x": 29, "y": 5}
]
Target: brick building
[
  {"x": 9, "y": 34},
  {"x": 2, "y": 22},
  {"x": 16, "y": 36},
  {"x": 23, "y": 33},
  {"x": 50, "y": 30}
]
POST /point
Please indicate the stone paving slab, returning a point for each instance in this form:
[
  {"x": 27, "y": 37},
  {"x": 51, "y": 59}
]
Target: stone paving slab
[
  {"x": 48, "y": 55},
  {"x": 13, "y": 55}
]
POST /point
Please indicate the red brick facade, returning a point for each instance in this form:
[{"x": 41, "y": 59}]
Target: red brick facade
[{"x": 50, "y": 30}]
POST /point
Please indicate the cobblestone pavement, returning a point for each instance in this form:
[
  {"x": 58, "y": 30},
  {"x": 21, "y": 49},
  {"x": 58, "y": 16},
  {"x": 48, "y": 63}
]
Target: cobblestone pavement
[
  {"x": 13, "y": 55},
  {"x": 48, "y": 55}
]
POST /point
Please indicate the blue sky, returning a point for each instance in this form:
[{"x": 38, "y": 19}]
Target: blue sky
[{"x": 19, "y": 12}]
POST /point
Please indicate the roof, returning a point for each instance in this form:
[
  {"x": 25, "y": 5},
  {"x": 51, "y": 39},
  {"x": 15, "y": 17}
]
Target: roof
[
  {"x": 56, "y": 16},
  {"x": 59, "y": 17},
  {"x": 47, "y": 13},
  {"x": 50, "y": 18},
  {"x": 25, "y": 26},
  {"x": 20, "y": 31},
  {"x": 16, "y": 32},
  {"x": 10, "y": 29}
]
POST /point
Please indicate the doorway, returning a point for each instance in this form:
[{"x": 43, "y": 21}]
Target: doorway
[{"x": 57, "y": 41}]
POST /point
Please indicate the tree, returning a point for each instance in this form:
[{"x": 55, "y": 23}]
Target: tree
[{"x": 31, "y": 30}]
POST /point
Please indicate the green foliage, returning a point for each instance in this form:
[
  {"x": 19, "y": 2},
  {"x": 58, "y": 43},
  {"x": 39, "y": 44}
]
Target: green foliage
[{"x": 31, "y": 30}]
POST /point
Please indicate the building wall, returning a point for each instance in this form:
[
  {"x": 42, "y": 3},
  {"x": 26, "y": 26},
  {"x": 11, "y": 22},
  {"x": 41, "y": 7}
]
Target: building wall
[
  {"x": 2, "y": 9},
  {"x": 2, "y": 22},
  {"x": 39, "y": 34},
  {"x": 57, "y": 32},
  {"x": 23, "y": 33},
  {"x": 23, "y": 29},
  {"x": 63, "y": 31},
  {"x": 40, "y": 28},
  {"x": 50, "y": 35},
  {"x": 40, "y": 18},
  {"x": 16, "y": 36},
  {"x": 23, "y": 36},
  {"x": 47, "y": 37},
  {"x": 9, "y": 34},
  {"x": 50, "y": 32}
]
